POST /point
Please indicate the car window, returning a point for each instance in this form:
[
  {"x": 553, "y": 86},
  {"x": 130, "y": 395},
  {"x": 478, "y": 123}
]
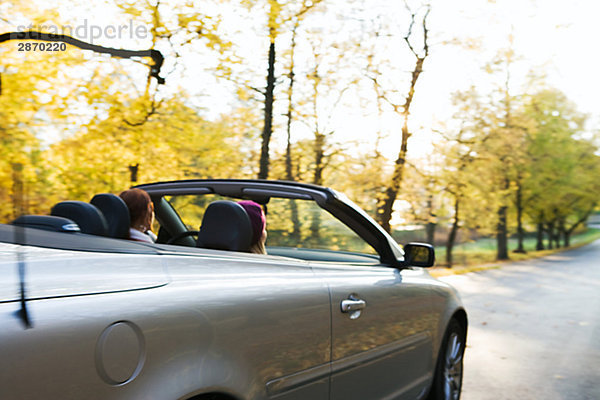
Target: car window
[
  {"x": 290, "y": 223},
  {"x": 303, "y": 224}
]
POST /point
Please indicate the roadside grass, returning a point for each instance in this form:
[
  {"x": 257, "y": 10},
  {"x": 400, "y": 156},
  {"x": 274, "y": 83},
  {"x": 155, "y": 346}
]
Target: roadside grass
[{"x": 481, "y": 254}]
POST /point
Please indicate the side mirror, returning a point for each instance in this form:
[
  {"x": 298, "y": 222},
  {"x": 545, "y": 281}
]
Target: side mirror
[{"x": 419, "y": 255}]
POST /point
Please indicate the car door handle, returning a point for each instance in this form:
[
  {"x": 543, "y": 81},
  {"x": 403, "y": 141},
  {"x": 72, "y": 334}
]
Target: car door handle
[{"x": 351, "y": 305}]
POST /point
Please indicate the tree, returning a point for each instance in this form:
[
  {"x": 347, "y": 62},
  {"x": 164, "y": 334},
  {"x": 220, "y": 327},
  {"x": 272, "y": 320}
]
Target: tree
[
  {"x": 278, "y": 15},
  {"x": 561, "y": 186},
  {"x": 188, "y": 146},
  {"x": 504, "y": 143},
  {"x": 418, "y": 19},
  {"x": 29, "y": 96},
  {"x": 465, "y": 165},
  {"x": 502, "y": 132}
]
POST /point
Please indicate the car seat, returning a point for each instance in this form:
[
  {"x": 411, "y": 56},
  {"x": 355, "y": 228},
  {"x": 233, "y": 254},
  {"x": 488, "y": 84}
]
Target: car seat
[
  {"x": 47, "y": 223},
  {"x": 225, "y": 226},
  {"x": 115, "y": 212},
  {"x": 89, "y": 219}
]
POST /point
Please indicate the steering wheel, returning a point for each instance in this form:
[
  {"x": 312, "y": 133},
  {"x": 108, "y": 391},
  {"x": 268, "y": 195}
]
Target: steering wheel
[{"x": 181, "y": 236}]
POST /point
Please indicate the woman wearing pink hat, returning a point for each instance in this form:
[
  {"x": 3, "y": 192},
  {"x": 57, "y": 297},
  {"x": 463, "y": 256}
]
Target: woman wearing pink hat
[{"x": 258, "y": 222}]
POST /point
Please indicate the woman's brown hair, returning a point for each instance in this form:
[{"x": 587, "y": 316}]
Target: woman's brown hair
[{"x": 140, "y": 207}]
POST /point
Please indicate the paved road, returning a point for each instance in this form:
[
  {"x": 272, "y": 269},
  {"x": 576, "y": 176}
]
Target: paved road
[{"x": 534, "y": 329}]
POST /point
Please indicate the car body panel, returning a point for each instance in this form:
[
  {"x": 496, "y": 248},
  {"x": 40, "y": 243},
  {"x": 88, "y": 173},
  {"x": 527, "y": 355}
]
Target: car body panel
[
  {"x": 116, "y": 319},
  {"x": 271, "y": 316},
  {"x": 392, "y": 331},
  {"x": 446, "y": 304},
  {"x": 59, "y": 273},
  {"x": 215, "y": 317}
]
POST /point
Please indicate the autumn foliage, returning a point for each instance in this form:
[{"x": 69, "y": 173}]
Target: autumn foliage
[{"x": 263, "y": 99}]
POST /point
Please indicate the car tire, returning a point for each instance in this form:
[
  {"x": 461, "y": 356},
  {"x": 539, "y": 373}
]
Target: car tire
[{"x": 447, "y": 381}]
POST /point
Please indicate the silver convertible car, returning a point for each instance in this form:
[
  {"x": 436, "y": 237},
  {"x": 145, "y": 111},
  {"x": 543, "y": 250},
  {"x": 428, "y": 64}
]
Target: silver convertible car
[{"x": 335, "y": 310}]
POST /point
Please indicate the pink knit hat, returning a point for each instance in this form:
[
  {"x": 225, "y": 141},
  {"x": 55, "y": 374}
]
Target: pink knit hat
[{"x": 257, "y": 218}]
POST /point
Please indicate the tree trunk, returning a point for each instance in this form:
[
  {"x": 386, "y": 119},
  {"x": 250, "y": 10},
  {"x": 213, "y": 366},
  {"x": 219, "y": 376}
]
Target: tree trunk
[
  {"x": 430, "y": 227},
  {"x": 133, "y": 172},
  {"x": 540, "y": 237},
  {"x": 562, "y": 232},
  {"x": 289, "y": 174},
  {"x": 317, "y": 180},
  {"x": 580, "y": 221},
  {"x": 385, "y": 205},
  {"x": 319, "y": 158},
  {"x": 430, "y": 232},
  {"x": 557, "y": 238},
  {"x": 550, "y": 230},
  {"x": 555, "y": 234},
  {"x": 295, "y": 235},
  {"x": 18, "y": 191},
  {"x": 502, "y": 234},
  {"x": 263, "y": 172},
  {"x": 288, "y": 149},
  {"x": 453, "y": 232},
  {"x": 502, "y": 228},
  {"x": 520, "y": 232}
]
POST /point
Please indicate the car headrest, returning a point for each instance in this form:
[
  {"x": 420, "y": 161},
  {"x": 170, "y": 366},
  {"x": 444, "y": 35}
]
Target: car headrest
[
  {"x": 115, "y": 212},
  {"x": 225, "y": 226},
  {"x": 87, "y": 216},
  {"x": 47, "y": 223}
]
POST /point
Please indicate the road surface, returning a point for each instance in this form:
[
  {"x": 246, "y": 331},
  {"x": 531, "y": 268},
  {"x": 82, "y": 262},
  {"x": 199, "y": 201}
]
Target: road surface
[{"x": 534, "y": 328}]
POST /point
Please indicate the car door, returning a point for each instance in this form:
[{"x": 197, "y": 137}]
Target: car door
[
  {"x": 268, "y": 316},
  {"x": 381, "y": 331},
  {"x": 383, "y": 348}
]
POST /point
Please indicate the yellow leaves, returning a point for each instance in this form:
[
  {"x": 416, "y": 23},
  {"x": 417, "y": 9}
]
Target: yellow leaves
[
  {"x": 138, "y": 9},
  {"x": 173, "y": 143},
  {"x": 274, "y": 19}
]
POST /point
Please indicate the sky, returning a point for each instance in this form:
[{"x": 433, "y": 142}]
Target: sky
[{"x": 552, "y": 37}]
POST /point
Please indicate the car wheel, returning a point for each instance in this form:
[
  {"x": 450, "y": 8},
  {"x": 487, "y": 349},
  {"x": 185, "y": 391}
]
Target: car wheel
[{"x": 447, "y": 382}]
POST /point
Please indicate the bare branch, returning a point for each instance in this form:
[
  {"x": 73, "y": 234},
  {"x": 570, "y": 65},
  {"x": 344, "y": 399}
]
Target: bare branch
[
  {"x": 256, "y": 90},
  {"x": 305, "y": 8},
  {"x": 409, "y": 34},
  {"x": 426, "y": 32},
  {"x": 382, "y": 95},
  {"x": 335, "y": 105},
  {"x": 410, "y": 28},
  {"x": 153, "y": 110},
  {"x": 457, "y": 139}
]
